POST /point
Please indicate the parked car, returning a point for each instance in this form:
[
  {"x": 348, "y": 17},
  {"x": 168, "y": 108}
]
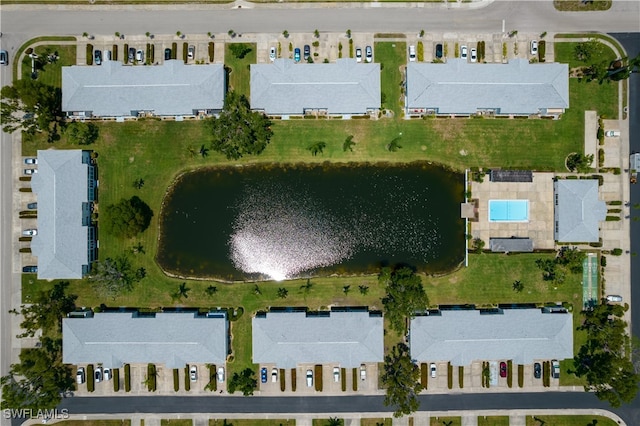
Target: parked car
[
  {"x": 537, "y": 370},
  {"x": 438, "y": 50},
  {"x": 463, "y": 52},
  {"x": 32, "y": 206},
  {"x": 412, "y": 53},
  {"x": 296, "y": 54},
  {"x": 433, "y": 370},
  {"x": 612, "y": 133},
  {"x": 30, "y": 232},
  {"x": 30, "y": 269},
  {"x": 191, "y": 52},
  {"x": 4, "y": 57},
  {"x": 220, "y": 374},
  {"x": 307, "y": 52},
  {"x": 555, "y": 368},
  {"x": 140, "y": 56},
  {"x": 614, "y": 298},
  {"x": 167, "y": 54},
  {"x": 309, "y": 378},
  {"x": 336, "y": 374},
  {"x": 29, "y": 161},
  {"x": 503, "y": 369},
  {"x": 97, "y": 57},
  {"x": 263, "y": 375},
  {"x": 107, "y": 55},
  {"x": 274, "y": 375},
  {"x": 534, "y": 47},
  {"x": 98, "y": 374},
  {"x": 30, "y": 171},
  {"x": 132, "y": 54},
  {"x": 193, "y": 373},
  {"x": 474, "y": 55},
  {"x": 106, "y": 374},
  {"x": 80, "y": 376},
  {"x": 272, "y": 54},
  {"x": 363, "y": 372},
  {"x": 368, "y": 54}
]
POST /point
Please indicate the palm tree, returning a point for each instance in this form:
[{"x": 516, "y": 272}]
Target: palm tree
[
  {"x": 348, "y": 144},
  {"x": 363, "y": 289},
  {"x": 183, "y": 291},
  {"x": 138, "y": 183},
  {"x": 211, "y": 290},
  {"x": 346, "y": 289},
  {"x": 138, "y": 248},
  {"x": 316, "y": 148},
  {"x": 518, "y": 286},
  {"x": 394, "y": 145},
  {"x": 204, "y": 151},
  {"x": 334, "y": 421},
  {"x": 306, "y": 288},
  {"x": 283, "y": 293},
  {"x": 256, "y": 290}
]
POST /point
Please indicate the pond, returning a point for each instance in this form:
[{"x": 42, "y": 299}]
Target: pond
[{"x": 279, "y": 222}]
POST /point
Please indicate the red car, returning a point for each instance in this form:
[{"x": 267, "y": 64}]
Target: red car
[{"x": 503, "y": 369}]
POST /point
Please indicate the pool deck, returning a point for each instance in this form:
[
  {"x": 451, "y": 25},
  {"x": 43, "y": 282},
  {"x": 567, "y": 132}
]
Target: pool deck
[{"x": 540, "y": 196}]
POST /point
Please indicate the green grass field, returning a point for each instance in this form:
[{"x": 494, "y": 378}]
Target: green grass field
[
  {"x": 239, "y": 77},
  {"x": 376, "y": 422},
  {"x": 391, "y": 57},
  {"x": 252, "y": 422},
  {"x": 52, "y": 72},
  {"x": 176, "y": 422},
  {"x": 446, "y": 421},
  {"x": 493, "y": 420},
  {"x": 570, "y": 421}
]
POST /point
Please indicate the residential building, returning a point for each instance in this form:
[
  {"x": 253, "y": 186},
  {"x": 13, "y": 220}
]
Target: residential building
[
  {"x": 345, "y": 88},
  {"x": 464, "y": 336},
  {"x": 578, "y": 210},
  {"x": 172, "y": 339},
  {"x": 172, "y": 89},
  {"x": 461, "y": 88},
  {"x": 347, "y": 338},
  {"x": 65, "y": 187}
]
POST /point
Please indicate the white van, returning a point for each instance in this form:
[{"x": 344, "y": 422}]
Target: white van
[{"x": 412, "y": 53}]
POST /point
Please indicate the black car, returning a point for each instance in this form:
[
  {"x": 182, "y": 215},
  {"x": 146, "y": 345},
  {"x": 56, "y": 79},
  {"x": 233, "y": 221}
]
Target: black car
[
  {"x": 438, "y": 50},
  {"x": 4, "y": 57},
  {"x": 167, "y": 54},
  {"x": 30, "y": 269},
  {"x": 97, "y": 57},
  {"x": 132, "y": 54},
  {"x": 537, "y": 370},
  {"x": 307, "y": 52}
]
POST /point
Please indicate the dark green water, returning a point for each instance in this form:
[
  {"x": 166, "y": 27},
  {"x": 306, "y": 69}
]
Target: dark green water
[{"x": 281, "y": 222}]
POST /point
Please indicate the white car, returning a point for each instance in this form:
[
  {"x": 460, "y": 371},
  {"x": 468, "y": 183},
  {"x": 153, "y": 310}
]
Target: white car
[
  {"x": 555, "y": 369},
  {"x": 106, "y": 374},
  {"x": 30, "y": 232},
  {"x": 463, "y": 52},
  {"x": 220, "y": 374},
  {"x": 433, "y": 369},
  {"x": 358, "y": 55},
  {"x": 30, "y": 171},
  {"x": 363, "y": 372},
  {"x": 80, "y": 376},
  {"x": 193, "y": 373},
  {"x": 474, "y": 55},
  {"x": 272, "y": 54},
  {"x": 412, "y": 53},
  {"x": 534, "y": 47},
  {"x": 612, "y": 133},
  {"x": 614, "y": 298},
  {"x": 309, "y": 378},
  {"x": 29, "y": 161},
  {"x": 98, "y": 374},
  {"x": 274, "y": 375},
  {"x": 336, "y": 374},
  {"x": 191, "y": 52},
  {"x": 140, "y": 56}
]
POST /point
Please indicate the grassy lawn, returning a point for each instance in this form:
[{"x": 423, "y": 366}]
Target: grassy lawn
[
  {"x": 493, "y": 420},
  {"x": 95, "y": 422},
  {"x": 252, "y": 422},
  {"x": 569, "y": 421},
  {"x": 579, "y": 5},
  {"x": 324, "y": 422},
  {"x": 446, "y": 421},
  {"x": 176, "y": 422},
  {"x": 564, "y": 52},
  {"x": 392, "y": 58},
  {"x": 376, "y": 422},
  {"x": 239, "y": 76},
  {"x": 51, "y": 74}
]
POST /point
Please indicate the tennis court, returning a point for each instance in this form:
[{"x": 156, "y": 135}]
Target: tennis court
[{"x": 590, "y": 281}]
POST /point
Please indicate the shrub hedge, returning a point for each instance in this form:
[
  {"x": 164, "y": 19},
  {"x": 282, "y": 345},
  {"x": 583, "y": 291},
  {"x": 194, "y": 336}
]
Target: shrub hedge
[
  {"x": 600, "y": 157},
  {"x": 151, "y": 377},
  {"x": 176, "y": 380},
  {"x": 510, "y": 373},
  {"x": 343, "y": 377},
  {"x": 420, "y": 52},
  {"x": 211, "y": 50},
  {"x": 174, "y": 50},
  {"x": 294, "y": 382},
  {"x": 89, "y": 54},
  {"x": 520, "y": 375},
  {"x": 354, "y": 379},
  {"x": 187, "y": 380},
  {"x": 616, "y": 251},
  {"x": 283, "y": 380},
  {"x": 91, "y": 386},
  {"x": 461, "y": 376},
  {"x": 114, "y": 52},
  {"x": 542, "y": 49},
  {"x": 185, "y": 52},
  {"x": 424, "y": 375},
  {"x": 127, "y": 378},
  {"x": 450, "y": 375},
  {"x": 318, "y": 374},
  {"x": 213, "y": 382},
  {"x": 125, "y": 54},
  {"x": 546, "y": 370},
  {"x": 116, "y": 379},
  {"x": 603, "y": 261}
]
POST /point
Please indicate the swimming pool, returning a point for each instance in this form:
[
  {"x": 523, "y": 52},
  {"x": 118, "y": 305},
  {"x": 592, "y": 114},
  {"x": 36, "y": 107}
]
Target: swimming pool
[{"x": 508, "y": 210}]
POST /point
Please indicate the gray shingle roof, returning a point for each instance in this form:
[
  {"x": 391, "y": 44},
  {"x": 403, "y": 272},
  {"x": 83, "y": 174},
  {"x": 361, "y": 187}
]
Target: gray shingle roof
[
  {"x": 459, "y": 87},
  {"x": 291, "y": 338},
  {"x": 522, "y": 335},
  {"x": 61, "y": 187},
  {"x": 578, "y": 210},
  {"x": 512, "y": 245},
  {"x": 172, "y": 339},
  {"x": 117, "y": 90},
  {"x": 287, "y": 88}
]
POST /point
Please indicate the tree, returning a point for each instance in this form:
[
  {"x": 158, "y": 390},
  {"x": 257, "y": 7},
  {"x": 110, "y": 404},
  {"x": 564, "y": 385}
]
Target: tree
[
  {"x": 82, "y": 133},
  {"x": 285, "y": 34},
  {"x": 245, "y": 382},
  {"x": 30, "y": 105},
  {"x": 394, "y": 145},
  {"x": 138, "y": 183},
  {"x": 363, "y": 289},
  {"x": 306, "y": 288},
  {"x": 317, "y": 148},
  {"x": 478, "y": 245},
  {"x": 204, "y": 151},
  {"x": 46, "y": 310},
  {"x": 239, "y": 131},
  {"x": 405, "y": 295},
  {"x": 127, "y": 218},
  {"x": 604, "y": 360},
  {"x": 113, "y": 276},
  {"x": 240, "y": 50},
  {"x": 588, "y": 50},
  {"x": 283, "y": 293},
  {"x": 518, "y": 286},
  {"x": 348, "y": 144},
  {"x": 346, "y": 289},
  {"x": 334, "y": 421},
  {"x": 571, "y": 258},
  {"x": 402, "y": 380},
  {"x": 579, "y": 162},
  {"x": 211, "y": 290},
  {"x": 316, "y": 34},
  {"x": 182, "y": 292},
  {"x": 256, "y": 290},
  {"x": 40, "y": 378}
]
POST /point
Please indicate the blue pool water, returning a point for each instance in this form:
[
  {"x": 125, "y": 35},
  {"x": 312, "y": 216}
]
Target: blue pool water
[{"x": 508, "y": 210}]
